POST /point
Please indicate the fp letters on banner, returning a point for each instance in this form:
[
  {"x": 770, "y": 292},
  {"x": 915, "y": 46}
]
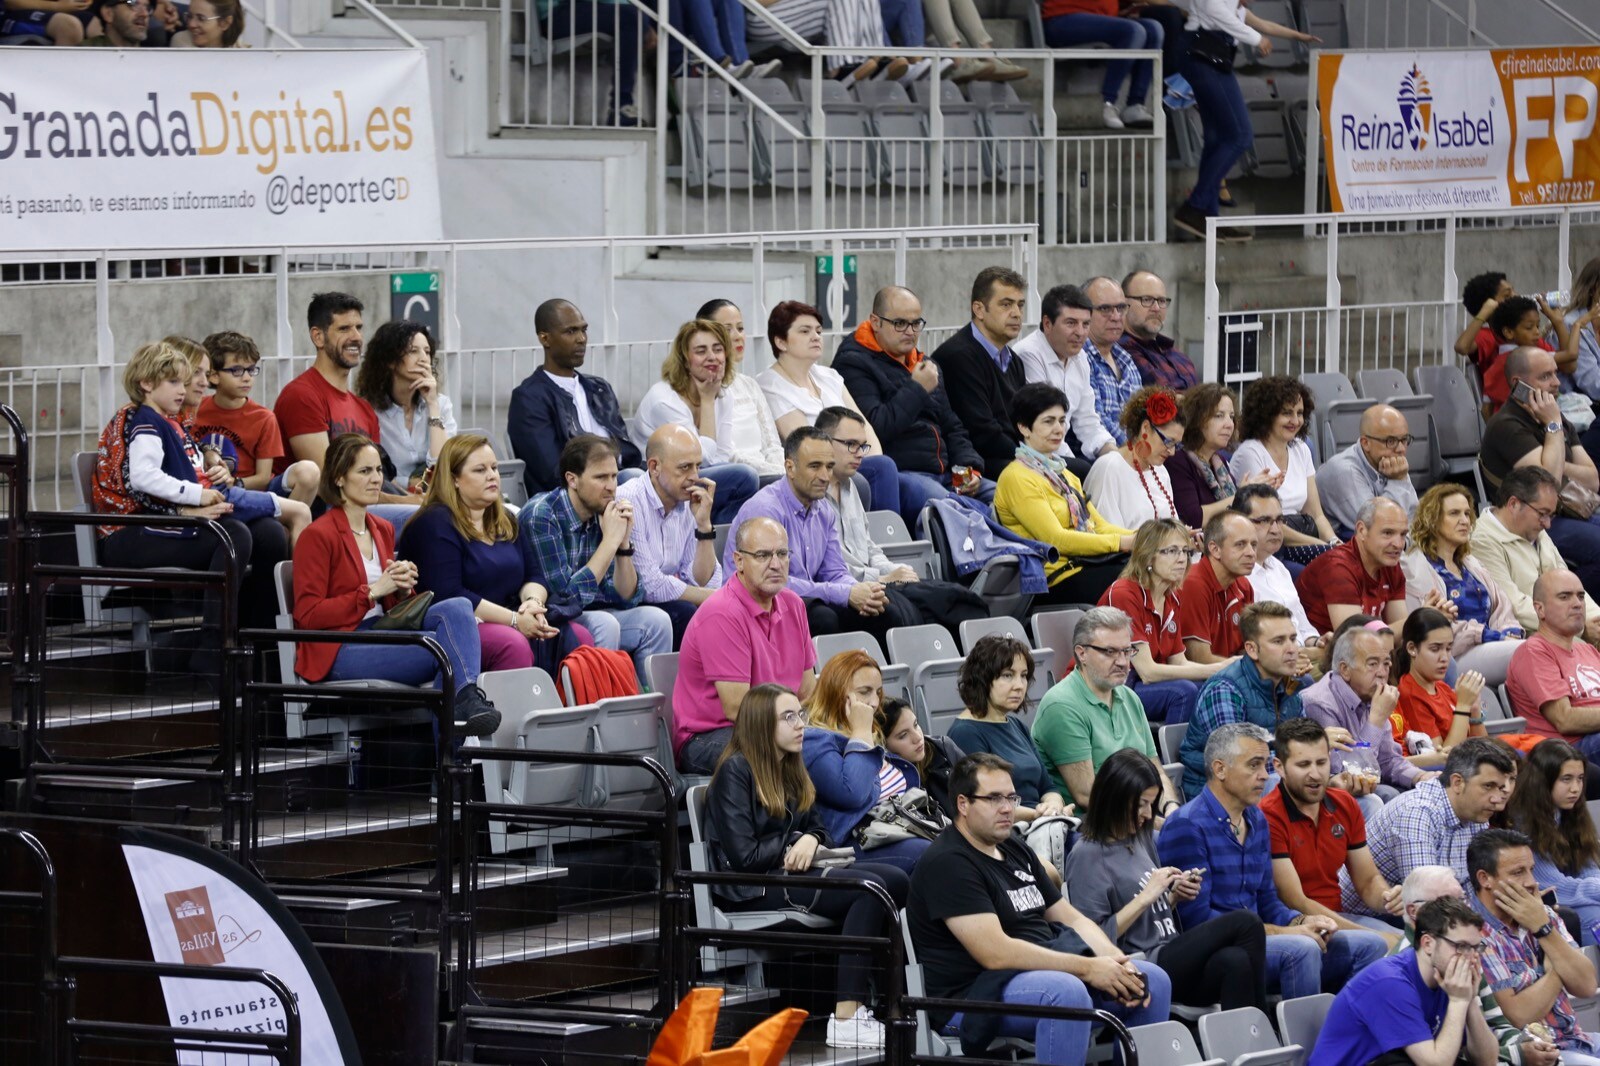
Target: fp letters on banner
[
  {"x": 202, "y": 909},
  {"x": 1442, "y": 131},
  {"x": 155, "y": 148}
]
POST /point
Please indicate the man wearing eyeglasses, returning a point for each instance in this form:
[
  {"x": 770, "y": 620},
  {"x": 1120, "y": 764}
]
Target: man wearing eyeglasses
[
  {"x": 1113, "y": 374},
  {"x": 1154, "y": 353},
  {"x": 126, "y": 24},
  {"x": 750, "y": 631},
  {"x": 1375, "y": 465},
  {"x": 900, "y": 392},
  {"x": 982, "y": 372},
  {"x": 1526, "y": 944},
  {"x": 1271, "y": 579},
  {"x": 1418, "y": 1006},
  {"x": 1512, "y": 542},
  {"x": 989, "y": 924}
]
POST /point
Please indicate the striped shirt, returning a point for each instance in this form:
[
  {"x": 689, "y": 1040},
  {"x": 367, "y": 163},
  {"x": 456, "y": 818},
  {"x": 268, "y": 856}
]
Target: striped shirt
[{"x": 891, "y": 782}]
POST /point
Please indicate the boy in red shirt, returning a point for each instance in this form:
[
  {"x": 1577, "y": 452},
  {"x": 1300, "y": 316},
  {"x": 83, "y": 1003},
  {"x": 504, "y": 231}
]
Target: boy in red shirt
[
  {"x": 1502, "y": 320},
  {"x": 230, "y": 414}
]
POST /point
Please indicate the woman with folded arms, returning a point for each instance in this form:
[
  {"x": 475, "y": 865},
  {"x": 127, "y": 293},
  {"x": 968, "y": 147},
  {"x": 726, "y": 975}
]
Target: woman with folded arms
[
  {"x": 414, "y": 418},
  {"x": 1202, "y": 484},
  {"x": 762, "y": 818},
  {"x": 346, "y": 576},
  {"x": 1275, "y": 418},
  {"x": 464, "y": 543}
]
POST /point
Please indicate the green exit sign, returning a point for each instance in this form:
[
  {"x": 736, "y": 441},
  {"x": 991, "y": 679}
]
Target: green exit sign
[
  {"x": 414, "y": 281},
  {"x": 825, "y": 264}
]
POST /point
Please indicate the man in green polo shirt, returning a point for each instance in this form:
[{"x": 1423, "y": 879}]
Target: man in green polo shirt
[{"x": 1093, "y": 712}]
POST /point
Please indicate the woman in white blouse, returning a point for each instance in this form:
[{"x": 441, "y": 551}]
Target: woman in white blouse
[
  {"x": 798, "y": 387},
  {"x": 1272, "y": 427},
  {"x": 398, "y": 379},
  {"x": 1130, "y": 486},
  {"x": 698, "y": 392}
]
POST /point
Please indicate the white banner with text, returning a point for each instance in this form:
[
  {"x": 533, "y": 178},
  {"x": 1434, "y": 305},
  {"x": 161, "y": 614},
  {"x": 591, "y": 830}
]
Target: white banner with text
[{"x": 233, "y": 147}]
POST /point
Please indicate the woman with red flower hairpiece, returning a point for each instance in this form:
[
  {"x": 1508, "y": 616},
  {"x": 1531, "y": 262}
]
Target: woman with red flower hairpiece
[{"x": 1131, "y": 485}]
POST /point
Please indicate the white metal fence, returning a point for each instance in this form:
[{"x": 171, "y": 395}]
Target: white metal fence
[
  {"x": 65, "y": 403},
  {"x": 1241, "y": 345}
]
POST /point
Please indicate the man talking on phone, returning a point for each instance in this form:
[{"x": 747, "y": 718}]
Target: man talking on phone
[{"x": 1531, "y": 431}]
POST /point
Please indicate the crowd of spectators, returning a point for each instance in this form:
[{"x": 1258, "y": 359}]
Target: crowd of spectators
[
  {"x": 1335, "y": 748},
  {"x": 124, "y": 23}
]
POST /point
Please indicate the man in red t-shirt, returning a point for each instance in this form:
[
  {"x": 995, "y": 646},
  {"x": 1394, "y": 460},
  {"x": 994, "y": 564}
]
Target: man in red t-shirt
[
  {"x": 1217, "y": 590},
  {"x": 1317, "y": 829},
  {"x": 1363, "y": 575},
  {"x": 1554, "y": 679},
  {"x": 230, "y": 413}
]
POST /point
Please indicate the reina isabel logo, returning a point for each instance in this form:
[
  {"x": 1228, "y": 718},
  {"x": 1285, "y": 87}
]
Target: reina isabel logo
[{"x": 1416, "y": 107}]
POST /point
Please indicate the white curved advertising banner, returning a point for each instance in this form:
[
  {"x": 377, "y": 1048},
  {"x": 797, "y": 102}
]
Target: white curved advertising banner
[
  {"x": 202, "y": 909},
  {"x": 150, "y": 148}
]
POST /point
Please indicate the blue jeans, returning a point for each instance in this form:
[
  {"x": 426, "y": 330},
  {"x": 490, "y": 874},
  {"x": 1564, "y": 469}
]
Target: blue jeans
[
  {"x": 623, "y": 23},
  {"x": 450, "y": 622},
  {"x": 1302, "y": 968},
  {"x": 1226, "y": 122},
  {"x": 736, "y": 483},
  {"x": 701, "y": 751},
  {"x": 902, "y": 19},
  {"x": 1067, "y": 1043},
  {"x": 883, "y": 478},
  {"x": 917, "y": 489},
  {"x": 639, "y": 631},
  {"x": 1169, "y": 702},
  {"x": 717, "y": 26},
  {"x": 1065, "y": 31},
  {"x": 1579, "y": 544}
]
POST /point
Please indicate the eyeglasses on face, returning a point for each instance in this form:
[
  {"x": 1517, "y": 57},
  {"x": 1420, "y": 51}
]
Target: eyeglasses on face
[
  {"x": 1545, "y": 516},
  {"x": 192, "y": 17},
  {"x": 903, "y": 325},
  {"x": 854, "y": 447},
  {"x": 1172, "y": 551},
  {"x": 1175, "y": 445},
  {"x": 1393, "y": 443},
  {"x": 1267, "y": 520},
  {"x": 795, "y": 717},
  {"x": 1001, "y": 800},
  {"x": 241, "y": 372},
  {"x": 765, "y": 557},
  {"x": 1113, "y": 653},
  {"x": 1151, "y": 303},
  {"x": 1111, "y": 310},
  {"x": 1465, "y": 949}
]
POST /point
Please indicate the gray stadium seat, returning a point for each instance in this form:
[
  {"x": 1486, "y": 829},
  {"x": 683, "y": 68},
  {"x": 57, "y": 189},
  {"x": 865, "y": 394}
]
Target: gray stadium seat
[
  {"x": 847, "y": 130},
  {"x": 901, "y": 129},
  {"x": 516, "y": 694},
  {"x": 1244, "y": 1037},
  {"x": 784, "y": 161},
  {"x": 935, "y": 663},
  {"x": 714, "y": 128},
  {"x": 1497, "y": 718},
  {"x": 1169, "y": 740},
  {"x": 1326, "y": 19},
  {"x": 888, "y": 531},
  {"x": 966, "y": 149},
  {"x": 1300, "y": 1020},
  {"x": 1457, "y": 418},
  {"x": 1336, "y": 423},
  {"x": 998, "y": 581},
  {"x": 896, "y": 676},
  {"x": 1013, "y": 130},
  {"x": 1053, "y": 629},
  {"x": 1283, "y": 56},
  {"x": 1168, "y": 1044},
  {"x": 1270, "y": 156},
  {"x": 661, "y": 672}
]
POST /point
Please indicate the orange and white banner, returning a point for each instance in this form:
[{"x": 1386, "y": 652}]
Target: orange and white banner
[
  {"x": 1442, "y": 131},
  {"x": 153, "y": 148}
]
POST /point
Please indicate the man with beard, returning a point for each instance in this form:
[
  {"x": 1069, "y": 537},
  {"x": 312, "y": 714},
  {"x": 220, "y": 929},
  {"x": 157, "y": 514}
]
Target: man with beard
[
  {"x": 1223, "y": 834},
  {"x": 981, "y": 370},
  {"x": 126, "y": 24},
  {"x": 318, "y": 405},
  {"x": 1158, "y": 360},
  {"x": 1318, "y": 830},
  {"x": 989, "y": 924},
  {"x": 579, "y": 539},
  {"x": 1363, "y": 575}
]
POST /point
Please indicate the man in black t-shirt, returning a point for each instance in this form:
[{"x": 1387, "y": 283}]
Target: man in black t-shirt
[{"x": 988, "y": 924}]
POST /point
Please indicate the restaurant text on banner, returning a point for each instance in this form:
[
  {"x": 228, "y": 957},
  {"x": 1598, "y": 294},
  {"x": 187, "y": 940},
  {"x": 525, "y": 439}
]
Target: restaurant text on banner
[
  {"x": 1439, "y": 131},
  {"x": 241, "y": 146}
]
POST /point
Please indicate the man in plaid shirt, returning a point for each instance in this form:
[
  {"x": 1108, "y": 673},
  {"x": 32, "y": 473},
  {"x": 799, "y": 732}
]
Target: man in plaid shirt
[
  {"x": 1113, "y": 374},
  {"x": 1529, "y": 959},
  {"x": 1428, "y": 883}
]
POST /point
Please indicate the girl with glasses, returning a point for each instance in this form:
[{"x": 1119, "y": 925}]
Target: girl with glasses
[
  {"x": 1167, "y": 683},
  {"x": 212, "y": 24},
  {"x": 762, "y": 817}
]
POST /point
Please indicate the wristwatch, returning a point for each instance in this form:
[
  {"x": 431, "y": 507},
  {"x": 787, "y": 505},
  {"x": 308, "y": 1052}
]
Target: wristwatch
[
  {"x": 709, "y": 534},
  {"x": 1552, "y": 427},
  {"x": 1544, "y": 930}
]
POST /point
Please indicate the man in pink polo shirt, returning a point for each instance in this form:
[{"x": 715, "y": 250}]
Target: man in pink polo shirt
[
  {"x": 749, "y": 632},
  {"x": 1554, "y": 680}
]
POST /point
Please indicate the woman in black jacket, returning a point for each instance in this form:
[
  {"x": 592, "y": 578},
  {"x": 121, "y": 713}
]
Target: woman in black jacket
[
  {"x": 760, "y": 819},
  {"x": 897, "y": 729}
]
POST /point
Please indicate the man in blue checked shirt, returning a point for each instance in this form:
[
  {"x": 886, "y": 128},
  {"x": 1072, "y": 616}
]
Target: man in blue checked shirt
[
  {"x": 1113, "y": 374},
  {"x": 1223, "y": 833}
]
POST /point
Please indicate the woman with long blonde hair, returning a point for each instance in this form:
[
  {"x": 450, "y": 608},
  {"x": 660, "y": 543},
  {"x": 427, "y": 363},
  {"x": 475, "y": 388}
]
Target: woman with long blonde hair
[
  {"x": 762, "y": 818},
  {"x": 846, "y": 759},
  {"x": 464, "y": 543}
]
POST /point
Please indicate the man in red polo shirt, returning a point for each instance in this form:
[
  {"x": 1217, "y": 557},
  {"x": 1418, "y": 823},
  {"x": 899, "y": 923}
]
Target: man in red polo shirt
[
  {"x": 1316, "y": 827},
  {"x": 1363, "y": 575},
  {"x": 1217, "y": 590}
]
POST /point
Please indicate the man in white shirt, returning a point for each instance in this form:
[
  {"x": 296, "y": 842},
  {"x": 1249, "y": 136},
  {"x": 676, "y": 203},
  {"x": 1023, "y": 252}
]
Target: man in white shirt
[
  {"x": 1053, "y": 355},
  {"x": 674, "y": 542},
  {"x": 1271, "y": 579}
]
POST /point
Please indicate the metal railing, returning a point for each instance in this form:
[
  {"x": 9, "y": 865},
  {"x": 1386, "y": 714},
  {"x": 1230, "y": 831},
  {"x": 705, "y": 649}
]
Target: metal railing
[
  {"x": 1441, "y": 24},
  {"x": 1348, "y": 337}
]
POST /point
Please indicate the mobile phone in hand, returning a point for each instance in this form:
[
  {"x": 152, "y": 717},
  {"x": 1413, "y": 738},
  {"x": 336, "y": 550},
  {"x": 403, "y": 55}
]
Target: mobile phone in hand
[{"x": 1522, "y": 392}]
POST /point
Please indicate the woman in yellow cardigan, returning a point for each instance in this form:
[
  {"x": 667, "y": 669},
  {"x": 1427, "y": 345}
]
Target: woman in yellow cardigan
[{"x": 1041, "y": 499}]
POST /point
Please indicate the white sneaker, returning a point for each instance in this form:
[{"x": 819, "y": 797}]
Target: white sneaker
[
  {"x": 1110, "y": 118},
  {"x": 1137, "y": 115},
  {"x": 861, "y": 1029},
  {"x": 764, "y": 70},
  {"x": 739, "y": 70}
]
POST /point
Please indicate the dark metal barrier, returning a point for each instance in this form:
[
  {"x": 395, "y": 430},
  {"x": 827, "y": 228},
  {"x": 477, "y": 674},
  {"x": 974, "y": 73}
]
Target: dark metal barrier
[
  {"x": 910, "y": 1005},
  {"x": 15, "y": 479},
  {"x": 25, "y": 972}
]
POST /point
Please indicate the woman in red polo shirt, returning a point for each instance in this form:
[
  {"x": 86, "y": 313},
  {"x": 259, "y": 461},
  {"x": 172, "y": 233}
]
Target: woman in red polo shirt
[
  {"x": 1166, "y": 681},
  {"x": 1427, "y": 705}
]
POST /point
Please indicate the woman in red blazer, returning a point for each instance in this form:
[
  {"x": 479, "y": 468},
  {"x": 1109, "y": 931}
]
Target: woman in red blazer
[{"x": 345, "y": 575}]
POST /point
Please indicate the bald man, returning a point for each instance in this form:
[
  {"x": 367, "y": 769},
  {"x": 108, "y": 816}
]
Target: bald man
[
  {"x": 674, "y": 542},
  {"x": 1374, "y": 466},
  {"x": 1554, "y": 680},
  {"x": 1362, "y": 575}
]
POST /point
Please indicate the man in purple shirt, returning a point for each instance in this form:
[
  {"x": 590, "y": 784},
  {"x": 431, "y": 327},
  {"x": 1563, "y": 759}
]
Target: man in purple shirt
[
  {"x": 674, "y": 542},
  {"x": 749, "y": 632},
  {"x": 835, "y": 602},
  {"x": 1354, "y": 695},
  {"x": 1153, "y": 353}
]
